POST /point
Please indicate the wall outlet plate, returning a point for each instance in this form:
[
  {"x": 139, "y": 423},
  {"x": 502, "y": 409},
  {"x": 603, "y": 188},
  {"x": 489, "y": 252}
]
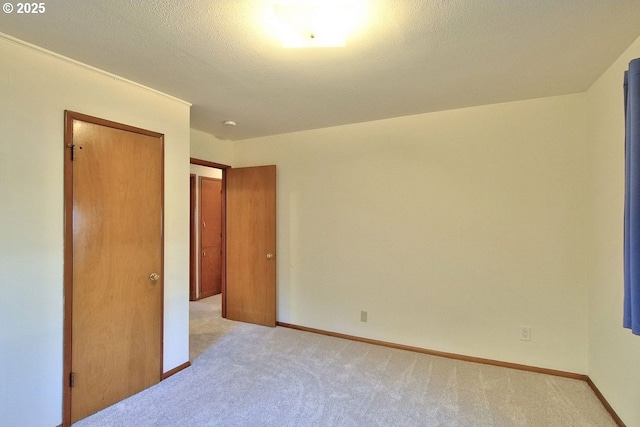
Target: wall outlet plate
[{"x": 525, "y": 333}]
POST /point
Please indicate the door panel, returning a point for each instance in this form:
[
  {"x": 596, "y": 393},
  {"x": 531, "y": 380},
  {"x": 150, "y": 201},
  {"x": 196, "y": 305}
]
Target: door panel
[
  {"x": 193, "y": 251},
  {"x": 251, "y": 245},
  {"x": 116, "y": 332},
  {"x": 210, "y": 236}
]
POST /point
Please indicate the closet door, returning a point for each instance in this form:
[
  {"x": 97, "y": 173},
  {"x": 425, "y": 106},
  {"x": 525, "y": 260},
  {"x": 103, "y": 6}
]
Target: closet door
[
  {"x": 210, "y": 236},
  {"x": 113, "y": 263}
]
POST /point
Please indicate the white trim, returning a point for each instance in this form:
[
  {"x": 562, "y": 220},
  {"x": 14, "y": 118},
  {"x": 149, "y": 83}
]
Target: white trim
[{"x": 88, "y": 67}]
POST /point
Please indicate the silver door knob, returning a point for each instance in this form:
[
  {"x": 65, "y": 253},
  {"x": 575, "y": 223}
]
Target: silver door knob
[
  {"x": 154, "y": 276},
  {"x": 269, "y": 255}
]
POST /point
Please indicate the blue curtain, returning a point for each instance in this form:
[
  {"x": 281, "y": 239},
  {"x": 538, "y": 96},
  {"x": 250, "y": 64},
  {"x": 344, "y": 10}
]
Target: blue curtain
[{"x": 632, "y": 198}]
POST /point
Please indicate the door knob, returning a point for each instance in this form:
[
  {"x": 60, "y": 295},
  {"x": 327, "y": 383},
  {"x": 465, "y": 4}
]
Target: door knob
[
  {"x": 154, "y": 276},
  {"x": 269, "y": 255}
]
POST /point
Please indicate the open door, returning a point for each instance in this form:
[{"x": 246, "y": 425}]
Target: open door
[{"x": 251, "y": 245}]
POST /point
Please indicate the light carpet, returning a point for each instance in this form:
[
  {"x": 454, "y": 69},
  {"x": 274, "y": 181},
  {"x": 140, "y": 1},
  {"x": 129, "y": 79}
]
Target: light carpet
[{"x": 248, "y": 375}]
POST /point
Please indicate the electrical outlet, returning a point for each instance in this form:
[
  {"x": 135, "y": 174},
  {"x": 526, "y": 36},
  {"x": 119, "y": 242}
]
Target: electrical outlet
[
  {"x": 525, "y": 333},
  {"x": 363, "y": 316}
]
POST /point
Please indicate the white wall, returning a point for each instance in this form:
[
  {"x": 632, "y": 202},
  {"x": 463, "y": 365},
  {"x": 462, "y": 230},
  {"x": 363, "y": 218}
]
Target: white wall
[
  {"x": 35, "y": 89},
  {"x": 205, "y": 171},
  {"x": 614, "y": 353},
  {"x": 205, "y": 146},
  {"x": 451, "y": 229}
]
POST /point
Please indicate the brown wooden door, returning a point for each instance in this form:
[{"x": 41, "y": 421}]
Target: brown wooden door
[
  {"x": 193, "y": 251},
  {"x": 116, "y": 320},
  {"x": 210, "y": 236},
  {"x": 251, "y": 245}
]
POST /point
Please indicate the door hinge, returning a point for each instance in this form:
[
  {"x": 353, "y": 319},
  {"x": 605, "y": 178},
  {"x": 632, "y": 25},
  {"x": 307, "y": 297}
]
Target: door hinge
[
  {"x": 73, "y": 151},
  {"x": 72, "y": 380}
]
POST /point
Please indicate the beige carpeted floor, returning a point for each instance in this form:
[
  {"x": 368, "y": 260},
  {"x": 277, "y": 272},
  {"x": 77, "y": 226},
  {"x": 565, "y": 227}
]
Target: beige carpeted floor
[{"x": 248, "y": 375}]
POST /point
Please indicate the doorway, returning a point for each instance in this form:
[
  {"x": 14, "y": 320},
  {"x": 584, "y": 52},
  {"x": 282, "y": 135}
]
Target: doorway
[
  {"x": 205, "y": 308},
  {"x": 206, "y": 231},
  {"x": 248, "y": 271}
]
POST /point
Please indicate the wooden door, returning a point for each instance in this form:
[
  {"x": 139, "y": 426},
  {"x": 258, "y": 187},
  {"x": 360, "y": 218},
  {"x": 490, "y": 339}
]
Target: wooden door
[
  {"x": 117, "y": 262},
  {"x": 210, "y": 237},
  {"x": 251, "y": 245},
  {"x": 193, "y": 292}
]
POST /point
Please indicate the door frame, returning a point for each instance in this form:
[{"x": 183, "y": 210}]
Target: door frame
[
  {"x": 223, "y": 168},
  {"x": 69, "y": 117}
]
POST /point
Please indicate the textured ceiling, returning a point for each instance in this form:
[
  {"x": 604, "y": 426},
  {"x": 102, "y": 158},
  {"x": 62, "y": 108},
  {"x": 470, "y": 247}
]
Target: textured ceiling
[{"x": 411, "y": 57}]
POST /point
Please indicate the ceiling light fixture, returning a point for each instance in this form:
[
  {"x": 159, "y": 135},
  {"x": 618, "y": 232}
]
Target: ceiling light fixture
[
  {"x": 317, "y": 23},
  {"x": 229, "y": 123}
]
